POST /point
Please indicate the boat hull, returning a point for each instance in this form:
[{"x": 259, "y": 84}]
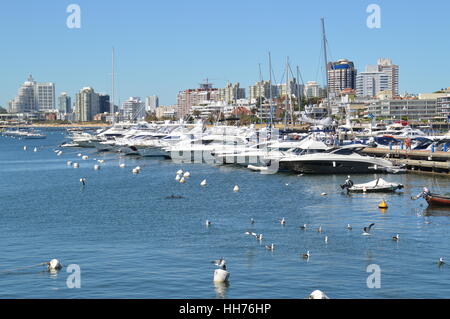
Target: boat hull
[
  {"x": 331, "y": 167},
  {"x": 438, "y": 200}
]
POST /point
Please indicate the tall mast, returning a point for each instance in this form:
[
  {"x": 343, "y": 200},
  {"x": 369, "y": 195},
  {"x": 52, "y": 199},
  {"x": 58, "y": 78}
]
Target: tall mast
[
  {"x": 113, "y": 88},
  {"x": 298, "y": 89},
  {"x": 286, "y": 96},
  {"x": 324, "y": 38},
  {"x": 259, "y": 90},
  {"x": 270, "y": 90}
]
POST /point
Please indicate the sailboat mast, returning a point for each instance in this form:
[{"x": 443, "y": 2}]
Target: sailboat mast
[
  {"x": 270, "y": 90},
  {"x": 113, "y": 87},
  {"x": 324, "y": 38}
]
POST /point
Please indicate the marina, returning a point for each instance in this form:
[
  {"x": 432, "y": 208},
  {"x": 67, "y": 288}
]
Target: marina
[{"x": 146, "y": 232}]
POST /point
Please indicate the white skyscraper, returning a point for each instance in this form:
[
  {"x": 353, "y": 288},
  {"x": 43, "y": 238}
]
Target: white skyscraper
[
  {"x": 377, "y": 78},
  {"x": 87, "y": 104},
  {"x": 392, "y": 71},
  {"x": 371, "y": 82},
  {"x": 312, "y": 89},
  {"x": 45, "y": 96},
  {"x": 134, "y": 108},
  {"x": 33, "y": 96},
  {"x": 151, "y": 103}
]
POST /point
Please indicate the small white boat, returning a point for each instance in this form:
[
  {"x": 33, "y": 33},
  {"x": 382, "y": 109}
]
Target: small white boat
[{"x": 378, "y": 185}]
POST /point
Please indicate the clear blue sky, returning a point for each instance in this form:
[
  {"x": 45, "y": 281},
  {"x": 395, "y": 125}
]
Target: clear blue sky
[{"x": 166, "y": 46}]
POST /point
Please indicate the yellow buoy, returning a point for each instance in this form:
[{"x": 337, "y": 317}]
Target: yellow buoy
[{"x": 383, "y": 204}]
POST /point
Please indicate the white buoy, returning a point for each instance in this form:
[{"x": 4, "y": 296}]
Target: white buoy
[
  {"x": 79, "y": 154},
  {"x": 69, "y": 163},
  {"x": 179, "y": 172},
  {"x": 203, "y": 183},
  {"x": 317, "y": 294},
  {"x": 84, "y": 157},
  {"x": 177, "y": 178},
  {"x": 54, "y": 265},
  {"x": 221, "y": 275},
  {"x": 236, "y": 188},
  {"x": 24, "y": 148},
  {"x": 76, "y": 165},
  {"x": 122, "y": 165},
  {"x": 187, "y": 174},
  {"x": 136, "y": 170},
  {"x": 35, "y": 149},
  {"x": 182, "y": 180},
  {"x": 96, "y": 167}
]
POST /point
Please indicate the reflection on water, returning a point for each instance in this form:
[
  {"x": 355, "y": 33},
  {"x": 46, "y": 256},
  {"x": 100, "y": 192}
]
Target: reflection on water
[
  {"x": 436, "y": 211},
  {"x": 221, "y": 289}
]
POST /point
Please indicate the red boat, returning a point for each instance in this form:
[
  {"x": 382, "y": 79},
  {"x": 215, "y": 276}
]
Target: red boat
[{"x": 437, "y": 200}]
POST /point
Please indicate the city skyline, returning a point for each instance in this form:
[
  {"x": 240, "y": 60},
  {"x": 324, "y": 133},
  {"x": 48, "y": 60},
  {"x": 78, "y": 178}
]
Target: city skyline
[{"x": 76, "y": 58}]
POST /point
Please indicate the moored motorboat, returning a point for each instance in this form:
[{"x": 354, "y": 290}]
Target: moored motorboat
[{"x": 378, "y": 185}]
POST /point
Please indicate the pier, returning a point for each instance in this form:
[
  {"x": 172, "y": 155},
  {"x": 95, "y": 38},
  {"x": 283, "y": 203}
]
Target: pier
[{"x": 423, "y": 161}]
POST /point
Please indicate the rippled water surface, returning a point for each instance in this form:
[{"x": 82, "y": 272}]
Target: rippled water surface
[{"x": 130, "y": 241}]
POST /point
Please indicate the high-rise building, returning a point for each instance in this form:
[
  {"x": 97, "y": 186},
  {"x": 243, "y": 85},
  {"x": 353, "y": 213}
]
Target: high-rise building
[
  {"x": 64, "y": 103},
  {"x": 231, "y": 93},
  {"x": 87, "y": 104},
  {"x": 25, "y": 100},
  {"x": 134, "y": 108},
  {"x": 293, "y": 89},
  {"x": 151, "y": 103},
  {"x": 392, "y": 71},
  {"x": 261, "y": 89},
  {"x": 371, "y": 82},
  {"x": 104, "y": 103},
  {"x": 33, "y": 96},
  {"x": 45, "y": 96},
  {"x": 313, "y": 89},
  {"x": 187, "y": 98},
  {"x": 341, "y": 75}
]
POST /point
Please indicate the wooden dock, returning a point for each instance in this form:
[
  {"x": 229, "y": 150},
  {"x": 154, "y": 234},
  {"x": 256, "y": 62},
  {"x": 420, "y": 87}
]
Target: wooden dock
[{"x": 415, "y": 161}]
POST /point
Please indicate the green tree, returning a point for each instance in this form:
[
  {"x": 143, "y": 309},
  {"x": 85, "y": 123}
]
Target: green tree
[{"x": 3, "y": 110}]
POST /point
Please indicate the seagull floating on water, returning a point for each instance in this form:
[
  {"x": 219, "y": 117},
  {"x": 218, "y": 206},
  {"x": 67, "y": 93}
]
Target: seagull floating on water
[
  {"x": 282, "y": 221},
  {"x": 441, "y": 261},
  {"x": 396, "y": 237},
  {"x": 236, "y": 188},
  {"x": 319, "y": 230},
  {"x": 252, "y": 221},
  {"x": 83, "y": 181},
  {"x": 258, "y": 237},
  {"x": 326, "y": 239},
  {"x": 303, "y": 227},
  {"x": 366, "y": 230},
  {"x": 53, "y": 265},
  {"x": 349, "y": 227},
  {"x": 317, "y": 294},
  {"x": 207, "y": 223},
  {"x": 271, "y": 247},
  {"x": 203, "y": 182},
  {"x": 306, "y": 255}
]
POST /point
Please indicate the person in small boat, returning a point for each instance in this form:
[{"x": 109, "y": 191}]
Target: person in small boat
[
  {"x": 425, "y": 192},
  {"x": 348, "y": 183}
]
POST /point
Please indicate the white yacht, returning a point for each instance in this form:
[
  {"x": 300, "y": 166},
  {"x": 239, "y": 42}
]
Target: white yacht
[{"x": 342, "y": 160}]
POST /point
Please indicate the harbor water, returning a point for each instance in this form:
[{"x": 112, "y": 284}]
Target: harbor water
[{"x": 131, "y": 241}]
